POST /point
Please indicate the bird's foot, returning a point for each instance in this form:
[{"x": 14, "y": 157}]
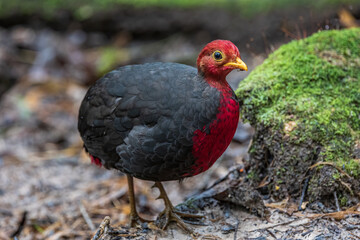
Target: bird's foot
[{"x": 170, "y": 214}]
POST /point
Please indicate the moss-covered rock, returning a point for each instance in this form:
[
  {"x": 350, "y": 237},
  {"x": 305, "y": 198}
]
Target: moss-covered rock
[{"x": 304, "y": 102}]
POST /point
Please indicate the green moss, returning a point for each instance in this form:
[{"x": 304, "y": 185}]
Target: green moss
[
  {"x": 336, "y": 176},
  {"x": 310, "y": 89},
  {"x": 343, "y": 201},
  {"x": 253, "y": 176}
]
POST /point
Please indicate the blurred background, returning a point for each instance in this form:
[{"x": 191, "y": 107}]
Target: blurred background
[{"x": 51, "y": 51}]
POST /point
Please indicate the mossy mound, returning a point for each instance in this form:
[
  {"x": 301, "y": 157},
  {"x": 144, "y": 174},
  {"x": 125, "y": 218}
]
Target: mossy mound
[{"x": 304, "y": 102}]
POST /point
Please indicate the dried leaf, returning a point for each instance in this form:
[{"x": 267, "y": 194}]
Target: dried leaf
[{"x": 347, "y": 19}]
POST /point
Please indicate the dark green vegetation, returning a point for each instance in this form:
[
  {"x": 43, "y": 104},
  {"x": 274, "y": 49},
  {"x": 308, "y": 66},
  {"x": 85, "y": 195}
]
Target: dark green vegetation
[
  {"x": 304, "y": 102},
  {"x": 85, "y": 9}
]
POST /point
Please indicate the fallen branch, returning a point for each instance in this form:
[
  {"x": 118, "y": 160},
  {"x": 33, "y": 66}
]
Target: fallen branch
[
  {"x": 102, "y": 228},
  {"x": 335, "y": 215}
]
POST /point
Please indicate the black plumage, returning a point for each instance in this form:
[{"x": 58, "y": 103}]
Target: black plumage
[{"x": 141, "y": 119}]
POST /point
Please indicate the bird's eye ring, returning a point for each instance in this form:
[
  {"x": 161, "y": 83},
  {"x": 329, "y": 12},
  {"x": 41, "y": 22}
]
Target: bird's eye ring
[{"x": 217, "y": 56}]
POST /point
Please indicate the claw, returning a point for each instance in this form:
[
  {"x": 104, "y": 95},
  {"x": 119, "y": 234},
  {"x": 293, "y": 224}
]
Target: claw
[{"x": 171, "y": 214}]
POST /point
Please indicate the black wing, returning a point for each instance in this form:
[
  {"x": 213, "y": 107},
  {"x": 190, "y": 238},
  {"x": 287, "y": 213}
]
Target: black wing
[{"x": 140, "y": 119}]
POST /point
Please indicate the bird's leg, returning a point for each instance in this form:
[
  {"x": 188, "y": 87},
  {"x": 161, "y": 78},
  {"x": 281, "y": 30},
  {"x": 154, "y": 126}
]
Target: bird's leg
[
  {"x": 171, "y": 214},
  {"x": 134, "y": 216}
]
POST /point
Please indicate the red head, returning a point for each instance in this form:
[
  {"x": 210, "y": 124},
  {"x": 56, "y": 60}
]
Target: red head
[{"x": 217, "y": 59}]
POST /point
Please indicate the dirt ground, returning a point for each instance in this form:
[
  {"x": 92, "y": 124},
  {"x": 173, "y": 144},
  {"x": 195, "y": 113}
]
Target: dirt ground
[{"x": 49, "y": 189}]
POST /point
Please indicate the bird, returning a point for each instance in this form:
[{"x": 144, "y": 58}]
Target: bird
[{"x": 162, "y": 121}]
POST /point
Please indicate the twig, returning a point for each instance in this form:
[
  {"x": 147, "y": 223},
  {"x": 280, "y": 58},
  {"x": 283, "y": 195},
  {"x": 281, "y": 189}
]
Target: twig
[
  {"x": 86, "y": 217},
  {"x": 306, "y": 183},
  {"x": 108, "y": 198},
  {"x": 330, "y": 164},
  {"x": 271, "y": 233},
  {"x": 231, "y": 171},
  {"x": 99, "y": 211},
  {"x": 336, "y": 202},
  {"x": 50, "y": 229},
  {"x": 290, "y": 34},
  {"x": 266, "y": 44},
  {"x": 236, "y": 228},
  {"x": 197, "y": 223},
  {"x": 102, "y": 228},
  {"x": 20, "y": 226},
  {"x": 346, "y": 185},
  {"x": 335, "y": 215},
  {"x": 307, "y": 232},
  {"x": 276, "y": 225},
  {"x": 208, "y": 237},
  {"x": 263, "y": 182},
  {"x": 354, "y": 235}
]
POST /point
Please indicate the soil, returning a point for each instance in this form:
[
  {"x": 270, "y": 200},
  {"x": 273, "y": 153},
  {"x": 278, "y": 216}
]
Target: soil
[{"x": 264, "y": 160}]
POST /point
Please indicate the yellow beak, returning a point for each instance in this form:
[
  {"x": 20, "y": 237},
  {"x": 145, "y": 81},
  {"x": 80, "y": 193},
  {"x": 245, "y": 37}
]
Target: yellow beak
[{"x": 239, "y": 64}]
